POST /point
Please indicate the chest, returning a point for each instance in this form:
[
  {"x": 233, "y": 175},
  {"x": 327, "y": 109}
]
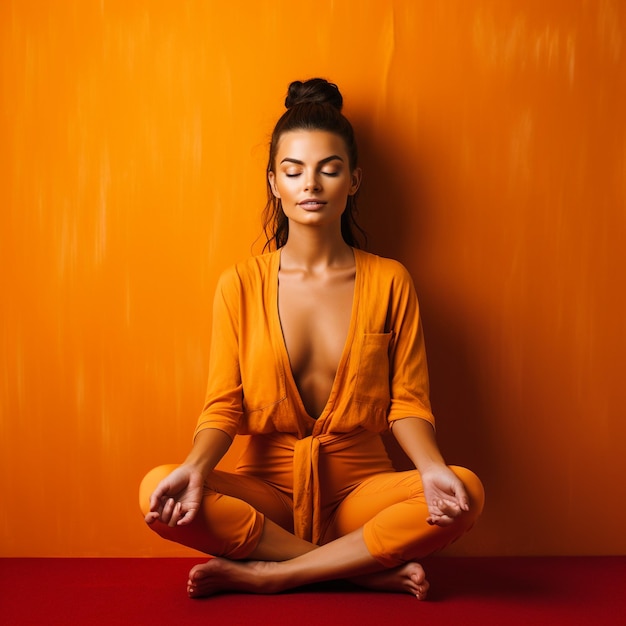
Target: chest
[{"x": 315, "y": 317}]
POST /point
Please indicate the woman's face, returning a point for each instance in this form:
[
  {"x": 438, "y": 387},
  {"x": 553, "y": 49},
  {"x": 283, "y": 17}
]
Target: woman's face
[{"x": 312, "y": 177}]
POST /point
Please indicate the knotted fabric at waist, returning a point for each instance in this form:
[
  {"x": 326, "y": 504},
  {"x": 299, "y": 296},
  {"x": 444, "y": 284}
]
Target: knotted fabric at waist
[{"x": 306, "y": 479}]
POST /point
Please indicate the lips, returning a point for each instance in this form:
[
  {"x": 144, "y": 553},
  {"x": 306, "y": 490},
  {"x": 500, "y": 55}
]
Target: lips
[{"x": 311, "y": 204}]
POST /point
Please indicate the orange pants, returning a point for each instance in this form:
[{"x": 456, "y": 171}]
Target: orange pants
[{"x": 358, "y": 489}]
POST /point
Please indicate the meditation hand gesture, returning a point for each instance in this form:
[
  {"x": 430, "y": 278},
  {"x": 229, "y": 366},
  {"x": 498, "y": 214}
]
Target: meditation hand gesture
[
  {"x": 177, "y": 497},
  {"x": 445, "y": 495}
]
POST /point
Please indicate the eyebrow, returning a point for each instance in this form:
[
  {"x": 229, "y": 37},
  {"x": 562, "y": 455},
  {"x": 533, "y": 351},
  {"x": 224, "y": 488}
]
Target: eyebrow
[{"x": 333, "y": 157}]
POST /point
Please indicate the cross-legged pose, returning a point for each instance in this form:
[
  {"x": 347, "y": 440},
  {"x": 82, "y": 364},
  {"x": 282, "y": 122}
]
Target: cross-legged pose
[{"x": 317, "y": 348}]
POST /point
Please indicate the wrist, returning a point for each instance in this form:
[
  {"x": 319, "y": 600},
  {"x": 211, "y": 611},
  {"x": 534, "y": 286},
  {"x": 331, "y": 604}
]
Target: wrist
[
  {"x": 427, "y": 466},
  {"x": 209, "y": 447},
  {"x": 197, "y": 463}
]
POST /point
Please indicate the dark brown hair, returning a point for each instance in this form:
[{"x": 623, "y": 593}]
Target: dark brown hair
[{"x": 314, "y": 104}]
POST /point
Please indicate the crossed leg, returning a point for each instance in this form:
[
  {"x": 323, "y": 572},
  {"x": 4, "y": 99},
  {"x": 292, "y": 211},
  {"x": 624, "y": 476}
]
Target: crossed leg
[
  {"x": 279, "y": 560},
  {"x": 343, "y": 558}
]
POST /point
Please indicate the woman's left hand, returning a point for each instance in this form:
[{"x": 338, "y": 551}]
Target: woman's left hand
[{"x": 445, "y": 495}]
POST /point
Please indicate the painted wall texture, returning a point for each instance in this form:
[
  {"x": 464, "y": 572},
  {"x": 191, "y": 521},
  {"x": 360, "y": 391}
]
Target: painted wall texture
[{"x": 133, "y": 143}]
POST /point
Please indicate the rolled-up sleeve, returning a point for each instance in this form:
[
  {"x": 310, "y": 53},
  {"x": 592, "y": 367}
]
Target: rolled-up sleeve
[{"x": 407, "y": 355}]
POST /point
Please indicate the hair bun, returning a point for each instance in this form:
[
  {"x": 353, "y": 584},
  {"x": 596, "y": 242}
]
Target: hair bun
[{"x": 314, "y": 90}]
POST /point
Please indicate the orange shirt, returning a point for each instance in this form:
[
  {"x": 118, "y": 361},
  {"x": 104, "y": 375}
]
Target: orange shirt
[{"x": 382, "y": 375}]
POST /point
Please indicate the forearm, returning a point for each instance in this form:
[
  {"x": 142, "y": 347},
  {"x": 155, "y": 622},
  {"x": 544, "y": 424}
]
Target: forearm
[
  {"x": 209, "y": 446},
  {"x": 417, "y": 438}
]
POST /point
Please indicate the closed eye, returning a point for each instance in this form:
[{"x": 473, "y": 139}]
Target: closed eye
[{"x": 296, "y": 174}]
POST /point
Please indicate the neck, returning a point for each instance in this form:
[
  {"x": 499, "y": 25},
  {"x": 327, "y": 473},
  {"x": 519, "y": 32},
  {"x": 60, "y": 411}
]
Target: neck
[{"x": 315, "y": 249}]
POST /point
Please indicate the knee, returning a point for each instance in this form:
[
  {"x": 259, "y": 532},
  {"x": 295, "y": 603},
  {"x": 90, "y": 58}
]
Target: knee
[
  {"x": 474, "y": 488},
  {"x": 149, "y": 483}
]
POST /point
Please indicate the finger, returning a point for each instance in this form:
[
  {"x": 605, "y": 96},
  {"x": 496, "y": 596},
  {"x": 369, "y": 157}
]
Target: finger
[
  {"x": 168, "y": 509},
  {"x": 451, "y": 509},
  {"x": 442, "y": 513},
  {"x": 187, "y": 517},
  {"x": 464, "y": 502},
  {"x": 155, "y": 501},
  {"x": 445, "y": 506},
  {"x": 462, "y": 499},
  {"x": 176, "y": 513},
  {"x": 157, "y": 496},
  {"x": 151, "y": 517},
  {"x": 437, "y": 506}
]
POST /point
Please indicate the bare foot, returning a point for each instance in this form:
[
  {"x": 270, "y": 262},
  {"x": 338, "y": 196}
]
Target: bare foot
[
  {"x": 408, "y": 578},
  {"x": 220, "y": 575}
]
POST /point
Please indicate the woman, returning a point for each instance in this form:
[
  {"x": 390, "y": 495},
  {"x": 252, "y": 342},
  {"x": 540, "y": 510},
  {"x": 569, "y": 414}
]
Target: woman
[{"x": 317, "y": 348}]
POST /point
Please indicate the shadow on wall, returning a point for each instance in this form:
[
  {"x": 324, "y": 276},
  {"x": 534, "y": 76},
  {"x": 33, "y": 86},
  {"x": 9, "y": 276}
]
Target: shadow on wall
[{"x": 397, "y": 210}]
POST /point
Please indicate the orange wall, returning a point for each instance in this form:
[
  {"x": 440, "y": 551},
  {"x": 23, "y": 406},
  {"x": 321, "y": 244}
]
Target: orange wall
[{"x": 133, "y": 143}]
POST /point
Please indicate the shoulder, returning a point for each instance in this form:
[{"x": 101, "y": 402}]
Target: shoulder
[
  {"x": 383, "y": 269},
  {"x": 247, "y": 273}
]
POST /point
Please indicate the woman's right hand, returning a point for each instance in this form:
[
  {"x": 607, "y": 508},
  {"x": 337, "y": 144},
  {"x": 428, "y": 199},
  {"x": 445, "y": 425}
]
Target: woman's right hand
[{"x": 177, "y": 498}]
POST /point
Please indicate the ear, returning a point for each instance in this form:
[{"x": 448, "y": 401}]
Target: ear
[
  {"x": 355, "y": 181},
  {"x": 271, "y": 179}
]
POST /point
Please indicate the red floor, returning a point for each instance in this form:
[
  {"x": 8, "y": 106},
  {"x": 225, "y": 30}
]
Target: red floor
[{"x": 465, "y": 591}]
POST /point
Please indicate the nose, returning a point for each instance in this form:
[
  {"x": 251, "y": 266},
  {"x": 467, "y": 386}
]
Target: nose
[{"x": 312, "y": 182}]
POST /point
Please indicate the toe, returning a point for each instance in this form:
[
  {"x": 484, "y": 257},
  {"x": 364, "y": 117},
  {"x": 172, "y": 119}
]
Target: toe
[{"x": 423, "y": 590}]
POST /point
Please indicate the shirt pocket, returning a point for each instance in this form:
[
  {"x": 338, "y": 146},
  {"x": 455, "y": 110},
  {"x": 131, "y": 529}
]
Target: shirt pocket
[{"x": 372, "y": 379}]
